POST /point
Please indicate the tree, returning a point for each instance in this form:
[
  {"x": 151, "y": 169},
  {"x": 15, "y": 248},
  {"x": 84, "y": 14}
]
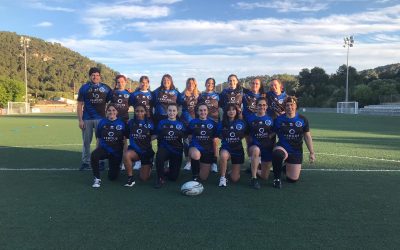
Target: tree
[{"x": 11, "y": 91}]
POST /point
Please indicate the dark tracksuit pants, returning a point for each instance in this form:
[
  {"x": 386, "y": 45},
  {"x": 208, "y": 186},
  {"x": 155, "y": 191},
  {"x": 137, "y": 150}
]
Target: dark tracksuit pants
[
  {"x": 114, "y": 163},
  {"x": 175, "y": 162}
]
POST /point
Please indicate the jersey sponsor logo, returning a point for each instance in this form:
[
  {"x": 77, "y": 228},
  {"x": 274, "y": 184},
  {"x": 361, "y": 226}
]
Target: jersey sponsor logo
[
  {"x": 299, "y": 124},
  {"x": 171, "y": 133},
  {"x": 214, "y": 97},
  {"x": 178, "y": 127},
  {"x": 261, "y": 130},
  {"x": 96, "y": 96},
  {"x": 119, "y": 101},
  {"x": 126, "y": 96},
  {"x": 119, "y": 127},
  {"x": 164, "y": 96},
  {"x": 139, "y": 131},
  {"x": 207, "y": 101},
  {"x": 268, "y": 122},
  {"x": 203, "y": 132},
  {"x": 239, "y": 126},
  {"x": 171, "y": 126},
  {"x": 191, "y": 103},
  {"x": 110, "y": 133},
  {"x": 111, "y": 127},
  {"x": 232, "y": 134},
  {"x": 210, "y": 126},
  {"x": 291, "y": 131},
  {"x": 102, "y": 89},
  {"x": 233, "y": 99},
  {"x": 280, "y": 101}
]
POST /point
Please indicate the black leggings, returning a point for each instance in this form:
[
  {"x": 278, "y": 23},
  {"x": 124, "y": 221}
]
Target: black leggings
[
  {"x": 175, "y": 162},
  {"x": 113, "y": 162}
]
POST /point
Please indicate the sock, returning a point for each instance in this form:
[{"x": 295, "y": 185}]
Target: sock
[
  {"x": 195, "y": 168},
  {"x": 277, "y": 162}
]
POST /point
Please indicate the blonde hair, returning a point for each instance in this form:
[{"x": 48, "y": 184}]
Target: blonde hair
[{"x": 195, "y": 92}]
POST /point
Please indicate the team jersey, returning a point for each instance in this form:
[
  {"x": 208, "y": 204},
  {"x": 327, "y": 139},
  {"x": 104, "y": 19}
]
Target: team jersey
[
  {"x": 211, "y": 99},
  {"x": 260, "y": 129},
  {"x": 162, "y": 98},
  {"x": 188, "y": 107},
  {"x": 231, "y": 96},
  {"x": 290, "y": 132},
  {"x": 170, "y": 135},
  {"x": 275, "y": 103},
  {"x": 203, "y": 132},
  {"x": 139, "y": 133},
  {"x": 111, "y": 135},
  {"x": 249, "y": 102},
  {"x": 120, "y": 98},
  {"x": 231, "y": 135},
  {"x": 142, "y": 97},
  {"x": 94, "y": 98}
]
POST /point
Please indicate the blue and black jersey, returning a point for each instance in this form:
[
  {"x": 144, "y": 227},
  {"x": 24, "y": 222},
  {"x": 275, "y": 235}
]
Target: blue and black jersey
[
  {"x": 203, "y": 132},
  {"x": 111, "y": 136},
  {"x": 231, "y": 135},
  {"x": 188, "y": 107},
  {"x": 120, "y": 99},
  {"x": 212, "y": 101},
  {"x": 234, "y": 96},
  {"x": 249, "y": 102},
  {"x": 275, "y": 104},
  {"x": 139, "y": 133},
  {"x": 144, "y": 98},
  {"x": 94, "y": 98},
  {"x": 162, "y": 98},
  {"x": 290, "y": 132},
  {"x": 260, "y": 130},
  {"x": 170, "y": 135}
]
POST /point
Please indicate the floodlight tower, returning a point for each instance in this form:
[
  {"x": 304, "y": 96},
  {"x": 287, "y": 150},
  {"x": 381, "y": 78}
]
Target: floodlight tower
[
  {"x": 25, "y": 44},
  {"x": 348, "y": 42}
]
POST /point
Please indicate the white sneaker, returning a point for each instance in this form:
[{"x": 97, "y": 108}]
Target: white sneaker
[
  {"x": 138, "y": 165},
  {"x": 222, "y": 181},
  {"x": 96, "y": 183},
  {"x": 214, "y": 168},
  {"x": 188, "y": 166}
]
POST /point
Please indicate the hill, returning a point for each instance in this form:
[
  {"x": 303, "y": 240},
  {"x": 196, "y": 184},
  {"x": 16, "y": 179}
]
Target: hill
[{"x": 53, "y": 70}]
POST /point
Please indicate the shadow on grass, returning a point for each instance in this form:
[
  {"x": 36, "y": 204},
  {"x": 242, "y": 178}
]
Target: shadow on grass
[
  {"x": 39, "y": 158},
  {"x": 375, "y": 143}
]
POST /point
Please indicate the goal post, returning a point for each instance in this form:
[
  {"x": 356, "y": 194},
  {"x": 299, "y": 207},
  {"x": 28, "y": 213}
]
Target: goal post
[
  {"x": 347, "y": 107},
  {"x": 18, "y": 108}
]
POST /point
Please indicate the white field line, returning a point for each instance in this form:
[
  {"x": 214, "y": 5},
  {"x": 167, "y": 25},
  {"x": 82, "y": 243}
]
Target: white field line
[
  {"x": 359, "y": 157},
  {"x": 39, "y": 146}
]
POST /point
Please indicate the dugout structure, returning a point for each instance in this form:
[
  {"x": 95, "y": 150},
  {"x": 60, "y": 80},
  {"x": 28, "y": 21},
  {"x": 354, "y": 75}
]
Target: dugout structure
[
  {"x": 18, "y": 108},
  {"x": 347, "y": 107}
]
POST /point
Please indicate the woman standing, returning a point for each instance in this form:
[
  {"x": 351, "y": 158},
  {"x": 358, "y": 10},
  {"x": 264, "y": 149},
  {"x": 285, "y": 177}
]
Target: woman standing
[
  {"x": 231, "y": 131},
  {"x": 163, "y": 96},
  {"x": 261, "y": 141},
  {"x": 291, "y": 129},
  {"x": 170, "y": 135},
  {"x": 275, "y": 97},
  {"x": 110, "y": 143},
  {"x": 232, "y": 94},
  {"x": 250, "y": 97},
  {"x": 188, "y": 100},
  {"x": 142, "y": 95},
  {"x": 202, "y": 132},
  {"x": 211, "y": 98},
  {"x": 140, "y": 132},
  {"x": 120, "y": 98}
]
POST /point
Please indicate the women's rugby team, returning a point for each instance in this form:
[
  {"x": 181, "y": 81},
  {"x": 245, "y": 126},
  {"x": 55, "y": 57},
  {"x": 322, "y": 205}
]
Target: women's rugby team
[{"x": 189, "y": 124}]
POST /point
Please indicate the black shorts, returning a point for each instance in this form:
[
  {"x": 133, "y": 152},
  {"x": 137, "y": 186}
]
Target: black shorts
[
  {"x": 146, "y": 158},
  {"x": 294, "y": 158},
  {"x": 236, "y": 157},
  {"x": 207, "y": 157}
]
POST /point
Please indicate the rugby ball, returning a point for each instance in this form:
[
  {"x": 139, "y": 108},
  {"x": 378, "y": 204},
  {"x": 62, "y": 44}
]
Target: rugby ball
[{"x": 192, "y": 188}]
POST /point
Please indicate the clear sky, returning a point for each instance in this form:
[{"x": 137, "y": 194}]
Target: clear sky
[{"x": 213, "y": 38}]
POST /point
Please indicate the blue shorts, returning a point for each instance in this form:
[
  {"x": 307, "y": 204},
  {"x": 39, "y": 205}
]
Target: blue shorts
[{"x": 266, "y": 153}]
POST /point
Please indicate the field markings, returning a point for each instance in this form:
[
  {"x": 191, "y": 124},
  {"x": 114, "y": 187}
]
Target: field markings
[
  {"x": 359, "y": 157},
  {"x": 40, "y": 146}
]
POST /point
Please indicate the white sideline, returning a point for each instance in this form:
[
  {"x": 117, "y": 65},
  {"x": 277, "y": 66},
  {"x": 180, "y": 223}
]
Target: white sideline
[
  {"x": 359, "y": 157},
  {"x": 39, "y": 146}
]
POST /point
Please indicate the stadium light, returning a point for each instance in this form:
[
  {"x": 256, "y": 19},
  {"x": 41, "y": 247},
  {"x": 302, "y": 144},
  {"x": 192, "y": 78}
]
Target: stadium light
[
  {"x": 25, "y": 44},
  {"x": 348, "y": 42}
]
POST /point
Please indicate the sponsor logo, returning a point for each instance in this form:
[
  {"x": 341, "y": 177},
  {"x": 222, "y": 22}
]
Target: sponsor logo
[
  {"x": 299, "y": 124},
  {"x": 102, "y": 89},
  {"x": 171, "y": 133},
  {"x": 203, "y": 132},
  {"x": 291, "y": 131},
  {"x": 119, "y": 101},
  {"x": 111, "y": 127},
  {"x": 268, "y": 122},
  {"x": 119, "y": 127},
  {"x": 110, "y": 133},
  {"x": 232, "y": 134},
  {"x": 261, "y": 130},
  {"x": 178, "y": 127},
  {"x": 239, "y": 126},
  {"x": 280, "y": 101},
  {"x": 210, "y": 126},
  {"x": 126, "y": 96},
  {"x": 139, "y": 131},
  {"x": 233, "y": 99}
]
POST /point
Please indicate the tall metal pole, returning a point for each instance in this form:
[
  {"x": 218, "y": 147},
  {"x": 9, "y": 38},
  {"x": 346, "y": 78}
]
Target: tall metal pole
[
  {"x": 25, "y": 44},
  {"x": 347, "y": 76}
]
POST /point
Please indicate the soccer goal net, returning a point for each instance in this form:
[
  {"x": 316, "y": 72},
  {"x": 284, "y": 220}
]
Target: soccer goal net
[
  {"x": 18, "y": 108},
  {"x": 347, "y": 107}
]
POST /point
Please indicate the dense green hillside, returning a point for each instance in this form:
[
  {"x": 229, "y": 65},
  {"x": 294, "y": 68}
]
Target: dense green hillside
[{"x": 51, "y": 67}]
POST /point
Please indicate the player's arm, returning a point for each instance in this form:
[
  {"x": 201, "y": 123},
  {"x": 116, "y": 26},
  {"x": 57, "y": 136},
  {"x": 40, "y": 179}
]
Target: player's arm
[
  {"x": 310, "y": 146},
  {"x": 80, "y": 115}
]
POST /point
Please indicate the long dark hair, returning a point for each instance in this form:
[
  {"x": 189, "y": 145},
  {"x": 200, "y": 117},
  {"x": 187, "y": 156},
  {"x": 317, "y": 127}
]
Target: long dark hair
[
  {"x": 225, "y": 118},
  {"x": 239, "y": 86},
  {"x": 162, "y": 80},
  {"x": 196, "y": 109}
]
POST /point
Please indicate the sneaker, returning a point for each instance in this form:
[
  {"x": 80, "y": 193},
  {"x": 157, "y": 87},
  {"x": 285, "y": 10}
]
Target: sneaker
[
  {"x": 222, "y": 182},
  {"x": 255, "y": 184},
  {"x": 277, "y": 183},
  {"x": 96, "y": 183},
  {"x": 188, "y": 166},
  {"x": 130, "y": 182},
  {"x": 159, "y": 182},
  {"x": 102, "y": 166},
  {"x": 214, "y": 168},
  {"x": 84, "y": 166},
  {"x": 137, "y": 165}
]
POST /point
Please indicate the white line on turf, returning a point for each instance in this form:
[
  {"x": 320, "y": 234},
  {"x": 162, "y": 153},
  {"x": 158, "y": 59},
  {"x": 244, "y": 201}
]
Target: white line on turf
[
  {"x": 39, "y": 146},
  {"x": 359, "y": 157}
]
